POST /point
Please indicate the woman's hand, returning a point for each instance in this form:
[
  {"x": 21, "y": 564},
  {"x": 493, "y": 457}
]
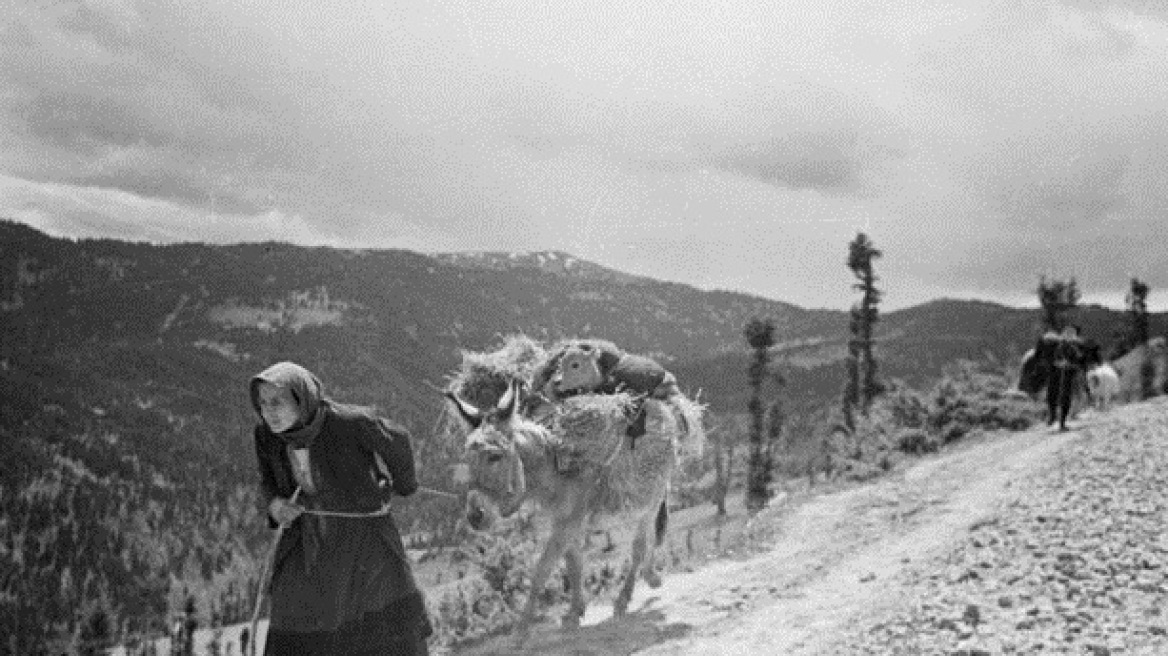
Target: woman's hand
[{"x": 284, "y": 511}]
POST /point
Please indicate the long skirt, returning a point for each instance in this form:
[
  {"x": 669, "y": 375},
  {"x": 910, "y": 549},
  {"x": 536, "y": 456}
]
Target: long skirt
[{"x": 357, "y": 595}]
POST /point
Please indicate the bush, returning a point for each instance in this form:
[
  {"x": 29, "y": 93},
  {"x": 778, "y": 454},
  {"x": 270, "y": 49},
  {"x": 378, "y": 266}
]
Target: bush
[
  {"x": 904, "y": 407},
  {"x": 490, "y": 602},
  {"x": 470, "y": 610},
  {"x": 916, "y": 441},
  {"x": 969, "y": 398}
]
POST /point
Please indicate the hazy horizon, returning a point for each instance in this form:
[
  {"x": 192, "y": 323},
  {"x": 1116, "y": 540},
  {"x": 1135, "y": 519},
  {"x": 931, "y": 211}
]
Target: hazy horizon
[{"x": 1029, "y": 300}]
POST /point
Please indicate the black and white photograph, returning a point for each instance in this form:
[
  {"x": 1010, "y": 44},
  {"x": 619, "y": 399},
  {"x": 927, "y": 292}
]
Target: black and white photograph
[{"x": 683, "y": 328}]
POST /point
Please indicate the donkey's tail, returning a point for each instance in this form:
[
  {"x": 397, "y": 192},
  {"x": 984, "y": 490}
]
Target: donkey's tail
[{"x": 661, "y": 523}]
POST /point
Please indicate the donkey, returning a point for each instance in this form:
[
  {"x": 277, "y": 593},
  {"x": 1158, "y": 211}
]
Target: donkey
[{"x": 510, "y": 458}]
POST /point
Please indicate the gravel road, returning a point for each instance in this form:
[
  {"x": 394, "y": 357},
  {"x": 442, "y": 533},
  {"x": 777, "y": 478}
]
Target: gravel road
[{"x": 1076, "y": 563}]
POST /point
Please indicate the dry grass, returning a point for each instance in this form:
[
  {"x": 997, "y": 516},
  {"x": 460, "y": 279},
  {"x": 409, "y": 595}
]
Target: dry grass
[{"x": 483, "y": 377}]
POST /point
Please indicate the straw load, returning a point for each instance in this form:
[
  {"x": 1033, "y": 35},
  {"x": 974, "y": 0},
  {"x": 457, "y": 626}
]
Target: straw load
[{"x": 590, "y": 428}]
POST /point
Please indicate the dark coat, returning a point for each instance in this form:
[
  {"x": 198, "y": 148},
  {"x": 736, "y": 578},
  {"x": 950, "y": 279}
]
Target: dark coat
[
  {"x": 636, "y": 374},
  {"x": 1055, "y": 355},
  {"x": 331, "y": 576}
]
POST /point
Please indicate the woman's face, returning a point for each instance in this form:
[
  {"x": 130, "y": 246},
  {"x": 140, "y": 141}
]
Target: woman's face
[{"x": 278, "y": 407}]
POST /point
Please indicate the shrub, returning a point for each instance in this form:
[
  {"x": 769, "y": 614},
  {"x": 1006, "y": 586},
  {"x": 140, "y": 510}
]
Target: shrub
[
  {"x": 969, "y": 398},
  {"x": 470, "y": 610},
  {"x": 915, "y": 441},
  {"x": 904, "y": 407}
]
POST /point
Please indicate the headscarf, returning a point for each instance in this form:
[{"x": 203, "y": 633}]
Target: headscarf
[{"x": 309, "y": 395}]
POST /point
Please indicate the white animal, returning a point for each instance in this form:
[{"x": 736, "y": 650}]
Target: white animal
[{"x": 1103, "y": 381}]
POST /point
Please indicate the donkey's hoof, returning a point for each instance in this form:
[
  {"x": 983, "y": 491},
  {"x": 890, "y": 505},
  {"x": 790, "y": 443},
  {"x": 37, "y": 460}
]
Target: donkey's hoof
[{"x": 570, "y": 620}]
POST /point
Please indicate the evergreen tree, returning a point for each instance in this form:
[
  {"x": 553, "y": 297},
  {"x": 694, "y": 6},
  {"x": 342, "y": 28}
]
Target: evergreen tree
[
  {"x": 863, "y": 384},
  {"x": 760, "y": 336},
  {"x": 776, "y": 417},
  {"x": 1058, "y": 298},
  {"x": 1137, "y": 312},
  {"x": 851, "y": 395}
]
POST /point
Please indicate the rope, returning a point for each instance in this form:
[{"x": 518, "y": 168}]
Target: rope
[
  {"x": 439, "y": 493},
  {"x": 380, "y": 512}
]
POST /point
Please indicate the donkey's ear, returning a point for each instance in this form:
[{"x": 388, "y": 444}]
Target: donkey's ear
[
  {"x": 470, "y": 414},
  {"x": 509, "y": 401}
]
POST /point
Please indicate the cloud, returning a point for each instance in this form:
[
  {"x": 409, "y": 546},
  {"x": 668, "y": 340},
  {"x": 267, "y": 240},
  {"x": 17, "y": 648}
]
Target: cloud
[
  {"x": 725, "y": 145},
  {"x": 799, "y": 161},
  {"x": 73, "y": 211}
]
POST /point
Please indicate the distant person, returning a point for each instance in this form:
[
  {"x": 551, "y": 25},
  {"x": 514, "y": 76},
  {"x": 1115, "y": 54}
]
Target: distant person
[
  {"x": 1067, "y": 356},
  {"x": 339, "y": 584}
]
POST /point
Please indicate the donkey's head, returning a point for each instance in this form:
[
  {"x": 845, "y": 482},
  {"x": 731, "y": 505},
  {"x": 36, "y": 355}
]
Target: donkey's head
[{"x": 494, "y": 469}]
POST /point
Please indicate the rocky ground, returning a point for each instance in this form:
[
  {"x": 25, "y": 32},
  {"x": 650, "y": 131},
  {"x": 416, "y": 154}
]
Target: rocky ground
[{"x": 1076, "y": 563}]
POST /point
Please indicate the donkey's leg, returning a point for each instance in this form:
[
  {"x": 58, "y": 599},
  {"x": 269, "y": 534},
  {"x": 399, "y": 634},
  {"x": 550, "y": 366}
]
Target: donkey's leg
[
  {"x": 660, "y": 524},
  {"x": 640, "y": 547},
  {"x": 574, "y": 568},
  {"x": 565, "y": 531},
  {"x": 552, "y": 550}
]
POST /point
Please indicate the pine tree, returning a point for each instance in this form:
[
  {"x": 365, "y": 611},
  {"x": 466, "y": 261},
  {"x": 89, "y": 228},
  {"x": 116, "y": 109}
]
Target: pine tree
[
  {"x": 1058, "y": 298},
  {"x": 863, "y": 384},
  {"x": 760, "y": 336},
  {"x": 1137, "y": 311}
]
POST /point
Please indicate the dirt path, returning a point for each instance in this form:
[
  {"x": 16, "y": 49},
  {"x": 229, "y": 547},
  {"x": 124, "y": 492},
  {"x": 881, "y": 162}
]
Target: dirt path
[{"x": 834, "y": 563}]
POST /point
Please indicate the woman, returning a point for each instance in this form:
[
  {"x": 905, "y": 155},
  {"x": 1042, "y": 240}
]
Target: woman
[
  {"x": 1065, "y": 358},
  {"x": 341, "y": 582}
]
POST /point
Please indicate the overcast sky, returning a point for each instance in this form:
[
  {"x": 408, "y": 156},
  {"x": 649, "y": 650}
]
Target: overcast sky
[{"x": 734, "y": 145}]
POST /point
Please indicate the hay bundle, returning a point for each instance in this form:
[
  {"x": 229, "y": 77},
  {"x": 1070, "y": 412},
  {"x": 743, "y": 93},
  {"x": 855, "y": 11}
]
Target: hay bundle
[
  {"x": 482, "y": 378},
  {"x": 640, "y": 466},
  {"x": 592, "y": 427}
]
